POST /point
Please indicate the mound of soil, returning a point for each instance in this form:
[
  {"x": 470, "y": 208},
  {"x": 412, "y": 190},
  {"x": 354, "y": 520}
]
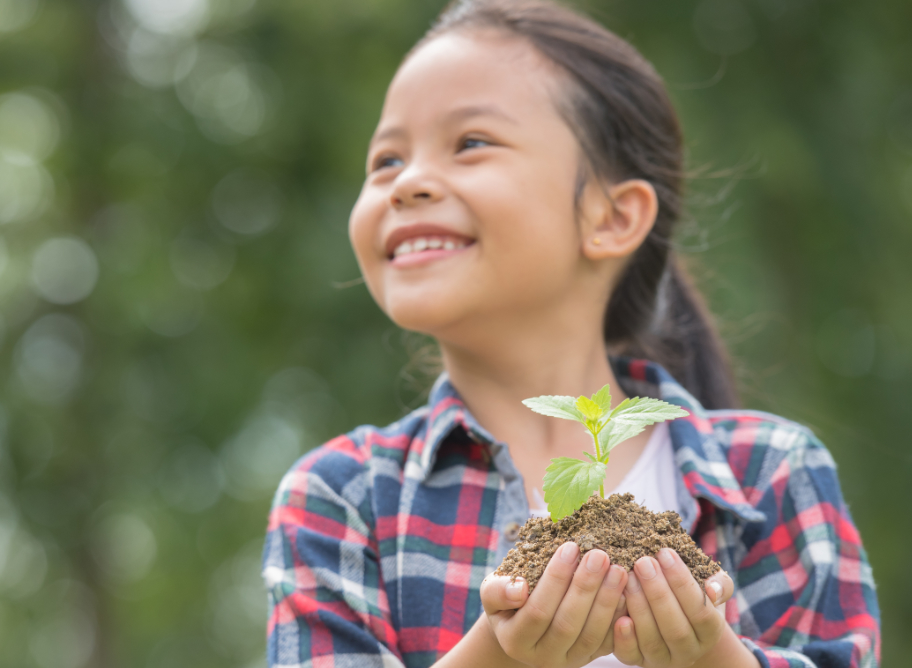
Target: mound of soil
[{"x": 617, "y": 525}]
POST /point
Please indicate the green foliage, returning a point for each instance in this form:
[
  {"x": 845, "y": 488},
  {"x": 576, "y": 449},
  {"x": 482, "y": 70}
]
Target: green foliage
[
  {"x": 554, "y": 406},
  {"x": 569, "y": 482}
]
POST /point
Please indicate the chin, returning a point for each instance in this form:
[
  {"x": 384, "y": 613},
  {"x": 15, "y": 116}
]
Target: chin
[{"x": 424, "y": 316}]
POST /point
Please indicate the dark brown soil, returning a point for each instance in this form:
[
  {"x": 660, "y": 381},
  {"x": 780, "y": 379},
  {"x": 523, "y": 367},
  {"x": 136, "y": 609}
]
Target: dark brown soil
[{"x": 617, "y": 525}]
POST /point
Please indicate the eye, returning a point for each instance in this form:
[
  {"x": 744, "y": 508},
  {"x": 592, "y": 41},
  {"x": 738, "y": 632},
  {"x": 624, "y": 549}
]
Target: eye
[
  {"x": 384, "y": 161},
  {"x": 474, "y": 142}
]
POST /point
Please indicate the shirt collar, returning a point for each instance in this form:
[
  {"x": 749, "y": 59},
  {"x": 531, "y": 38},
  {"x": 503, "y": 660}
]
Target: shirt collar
[{"x": 700, "y": 456}]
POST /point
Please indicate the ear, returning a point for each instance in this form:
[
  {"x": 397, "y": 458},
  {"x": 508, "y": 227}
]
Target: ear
[{"x": 618, "y": 218}]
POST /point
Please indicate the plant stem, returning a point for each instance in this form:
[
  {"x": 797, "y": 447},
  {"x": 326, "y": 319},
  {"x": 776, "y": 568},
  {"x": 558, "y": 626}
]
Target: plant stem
[{"x": 598, "y": 456}]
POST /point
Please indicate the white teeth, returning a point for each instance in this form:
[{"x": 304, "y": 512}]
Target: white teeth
[
  {"x": 419, "y": 244},
  {"x": 402, "y": 249}
]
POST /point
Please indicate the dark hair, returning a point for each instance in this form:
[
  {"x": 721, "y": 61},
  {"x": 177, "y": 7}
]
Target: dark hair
[{"x": 627, "y": 127}]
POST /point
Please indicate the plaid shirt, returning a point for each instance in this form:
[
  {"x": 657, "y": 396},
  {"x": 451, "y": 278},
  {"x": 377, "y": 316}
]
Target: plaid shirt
[{"x": 379, "y": 540}]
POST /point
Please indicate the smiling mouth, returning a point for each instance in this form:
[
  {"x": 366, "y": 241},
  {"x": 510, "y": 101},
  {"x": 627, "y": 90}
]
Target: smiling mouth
[{"x": 429, "y": 245}]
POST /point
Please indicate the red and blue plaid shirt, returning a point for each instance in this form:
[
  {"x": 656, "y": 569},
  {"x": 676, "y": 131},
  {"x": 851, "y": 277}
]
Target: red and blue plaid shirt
[{"x": 378, "y": 541}]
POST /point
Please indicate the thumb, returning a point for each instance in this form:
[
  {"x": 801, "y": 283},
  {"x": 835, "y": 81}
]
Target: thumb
[
  {"x": 500, "y": 592},
  {"x": 720, "y": 588}
]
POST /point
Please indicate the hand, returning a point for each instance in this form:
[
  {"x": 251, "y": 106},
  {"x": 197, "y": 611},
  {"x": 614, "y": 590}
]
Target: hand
[
  {"x": 671, "y": 622},
  {"x": 567, "y": 621}
]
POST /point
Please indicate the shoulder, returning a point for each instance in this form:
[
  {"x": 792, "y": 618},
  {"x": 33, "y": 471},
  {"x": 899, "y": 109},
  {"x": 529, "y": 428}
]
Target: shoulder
[
  {"x": 344, "y": 461},
  {"x": 763, "y": 448}
]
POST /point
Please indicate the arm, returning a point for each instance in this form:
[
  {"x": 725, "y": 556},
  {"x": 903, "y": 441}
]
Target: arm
[
  {"x": 806, "y": 579},
  {"x": 805, "y": 587},
  {"x": 320, "y": 564}
]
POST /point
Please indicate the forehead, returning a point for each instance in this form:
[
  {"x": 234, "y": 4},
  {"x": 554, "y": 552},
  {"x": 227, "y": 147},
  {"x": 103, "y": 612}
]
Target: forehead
[{"x": 478, "y": 69}]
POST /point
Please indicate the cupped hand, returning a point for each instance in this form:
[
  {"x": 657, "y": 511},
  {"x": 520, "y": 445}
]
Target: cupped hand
[
  {"x": 671, "y": 622},
  {"x": 567, "y": 621}
]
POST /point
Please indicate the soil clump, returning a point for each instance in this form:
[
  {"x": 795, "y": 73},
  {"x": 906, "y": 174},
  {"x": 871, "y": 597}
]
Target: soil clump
[{"x": 622, "y": 528}]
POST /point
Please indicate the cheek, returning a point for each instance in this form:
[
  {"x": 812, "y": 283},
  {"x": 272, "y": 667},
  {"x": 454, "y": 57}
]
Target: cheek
[
  {"x": 529, "y": 224},
  {"x": 363, "y": 233}
]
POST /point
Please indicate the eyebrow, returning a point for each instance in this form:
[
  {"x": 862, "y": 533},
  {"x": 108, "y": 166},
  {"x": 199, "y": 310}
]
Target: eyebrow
[{"x": 458, "y": 114}]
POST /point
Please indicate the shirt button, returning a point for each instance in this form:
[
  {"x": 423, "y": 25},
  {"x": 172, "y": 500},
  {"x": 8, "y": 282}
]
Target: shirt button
[{"x": 511, "y": 531}]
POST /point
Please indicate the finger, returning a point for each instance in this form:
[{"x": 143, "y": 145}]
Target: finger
[
  {"x": 529, "y": 624},
  {"x": 691, "y": 597},
  {"x": 576, "y": 606},
  {"x": 649, "y": 638},
  {"x": 626, "y": 647},
  {"x": 601, "y": 616},
  {"x": 674, "y": 626},
  {"x": 501, "y": 592},
  {"x": 607, "y": 646},
  {"x": 722, "y": 588}
]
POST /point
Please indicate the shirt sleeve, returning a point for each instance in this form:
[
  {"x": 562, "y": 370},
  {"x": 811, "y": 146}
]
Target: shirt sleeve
[
  {"x": 806, "y": 584},
  {"x": 328, "y": 606}
]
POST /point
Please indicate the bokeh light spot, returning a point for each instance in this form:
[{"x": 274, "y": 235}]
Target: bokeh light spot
[
  {"x": 64, "y": 270},
  {"x": 191, "y": 478},
  {"x": 259, "y": 455},
  {"x": 247, "y": 202},
  {"x": 26, "y": 190},
  {"x": 157, "y": 60},
  {"x": 16, "y": 14},
  {"x": 48, "y": 358},
  {"x": 29, "y": 128},
  {"x": 124, "y": 547},
  {"x": 223, "y": 91},
  {"x": 198, "y": 264},
  {"x": 23, "y": 565},
  {"x": 65, "y": 640},
  {"x": 177, "y": 17}
]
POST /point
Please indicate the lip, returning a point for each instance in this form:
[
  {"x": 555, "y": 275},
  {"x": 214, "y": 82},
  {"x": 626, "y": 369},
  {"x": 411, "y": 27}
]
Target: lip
[
  {"x": 400, "y": 234},
  {"x": 425, "y": 257}
]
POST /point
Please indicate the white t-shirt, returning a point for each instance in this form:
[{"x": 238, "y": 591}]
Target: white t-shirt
[{"x": 652, "y": 481}]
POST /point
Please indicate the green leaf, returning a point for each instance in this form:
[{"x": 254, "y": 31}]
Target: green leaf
[
  {"x": 614, "y": 433},
  {"x": 646, "y": 411},
  {"x": 589, "y": 408},
  {"x": 589, "y": 455},
  {"x": 569, "y": 482},
  {"x": 603, "y": 398},
  {"x": 556, "y": 406}
]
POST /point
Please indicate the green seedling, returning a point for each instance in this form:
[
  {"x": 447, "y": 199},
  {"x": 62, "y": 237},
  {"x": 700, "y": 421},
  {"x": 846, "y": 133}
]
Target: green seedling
[{"x": 570, "y": 482}]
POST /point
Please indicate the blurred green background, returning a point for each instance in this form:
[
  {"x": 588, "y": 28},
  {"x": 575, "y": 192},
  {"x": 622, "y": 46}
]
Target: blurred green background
[{"x": 178, "y": 319}]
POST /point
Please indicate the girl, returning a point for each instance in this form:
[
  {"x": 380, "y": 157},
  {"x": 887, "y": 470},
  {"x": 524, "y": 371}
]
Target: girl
[{"x": 521, "y": 190}]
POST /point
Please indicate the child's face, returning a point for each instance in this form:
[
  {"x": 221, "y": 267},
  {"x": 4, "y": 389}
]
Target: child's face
[{"x": 466, "y": 217}]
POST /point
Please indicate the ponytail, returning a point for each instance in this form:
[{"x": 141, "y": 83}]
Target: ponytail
[
  {"x": 677, "y": 333},
  {"x": 618, "y": 107}
]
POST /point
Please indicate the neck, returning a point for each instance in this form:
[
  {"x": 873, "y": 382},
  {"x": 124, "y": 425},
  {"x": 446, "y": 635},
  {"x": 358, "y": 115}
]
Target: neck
[{"x": 493, "y": 375}]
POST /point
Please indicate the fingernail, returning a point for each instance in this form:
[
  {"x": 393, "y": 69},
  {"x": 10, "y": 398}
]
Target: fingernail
[
  {"x": 645, "y": 568},
  {"x": 569, "y": 552},
  {"x": 666, "y": 558},
  {"x": 633, "y": 585},
  {"x": 595, "y": 560},
  {"x": 515, "y": 589},
  {"x": 717, "y": 591},
  {"x": 614, "y": 576},
  {"x": 626, "y": 630}
]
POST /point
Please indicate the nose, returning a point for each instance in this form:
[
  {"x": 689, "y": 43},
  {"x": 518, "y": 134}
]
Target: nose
[{"x": 414, "y": 186}]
